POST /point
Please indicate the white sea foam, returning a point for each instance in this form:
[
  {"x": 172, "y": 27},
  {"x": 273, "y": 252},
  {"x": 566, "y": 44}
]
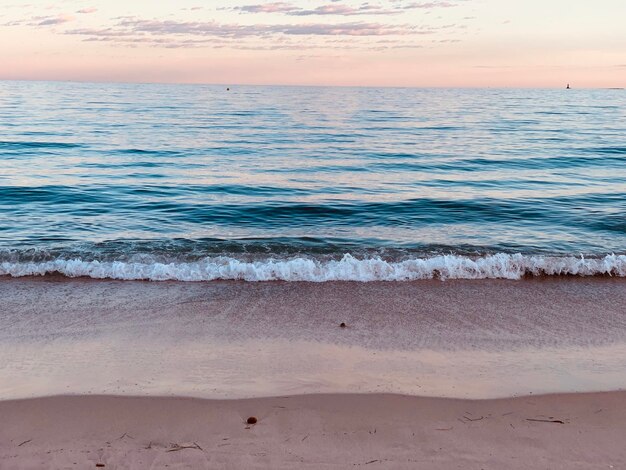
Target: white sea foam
[{"x": 348, "y": 268}]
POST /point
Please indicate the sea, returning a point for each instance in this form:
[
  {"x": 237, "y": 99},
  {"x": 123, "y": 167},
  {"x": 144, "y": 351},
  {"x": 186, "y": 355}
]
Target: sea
[{"x": 265, "y": 183}]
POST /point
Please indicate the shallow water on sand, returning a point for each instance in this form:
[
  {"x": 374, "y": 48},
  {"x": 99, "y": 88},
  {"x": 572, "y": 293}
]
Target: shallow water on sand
[
  {"x": 249, "y": 368},
  {"x": 232, "y": 339}
]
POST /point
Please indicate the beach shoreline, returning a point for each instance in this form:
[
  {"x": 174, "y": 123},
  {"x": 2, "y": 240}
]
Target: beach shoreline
[
  {"x": 229, "y": 339},
  {"x": 381, "y": 277},
  {"x": 571, "y": 431}
]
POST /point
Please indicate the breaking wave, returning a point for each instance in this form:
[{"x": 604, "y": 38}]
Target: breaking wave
[{"x": 348, "y": 268}]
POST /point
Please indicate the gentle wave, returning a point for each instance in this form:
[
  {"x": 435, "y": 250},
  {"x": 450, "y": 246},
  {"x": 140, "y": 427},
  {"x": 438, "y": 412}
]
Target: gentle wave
[
  {"x": 33, "y": 144},
  {"x": 348, "y": 268},
  {"x": 395, "y": 173}
]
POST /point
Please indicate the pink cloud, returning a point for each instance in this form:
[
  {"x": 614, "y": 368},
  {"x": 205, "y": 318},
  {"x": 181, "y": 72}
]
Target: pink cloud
[
  {"x": 53, "y": 20},
  {"x": 275, "y": 7},
  {"x": 336, "y": 8},
  {"x": 213, "y": 28},
  {"x": 429, "y": 5},
  {"x": 345, "y": 10},
  {"x": 87, "y": 10}
]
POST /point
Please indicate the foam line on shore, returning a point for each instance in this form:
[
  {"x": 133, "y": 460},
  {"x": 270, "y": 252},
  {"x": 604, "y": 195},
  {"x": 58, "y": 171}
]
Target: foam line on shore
[{"x": 348, "y": 268}]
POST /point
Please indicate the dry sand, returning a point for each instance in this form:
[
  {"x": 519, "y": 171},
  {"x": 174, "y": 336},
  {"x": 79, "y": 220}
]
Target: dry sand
[{"x": 316, "y": 432}]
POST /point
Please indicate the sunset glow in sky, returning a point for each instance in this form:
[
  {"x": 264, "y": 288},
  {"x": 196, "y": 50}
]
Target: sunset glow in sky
[{"x": 511, "y": 43}]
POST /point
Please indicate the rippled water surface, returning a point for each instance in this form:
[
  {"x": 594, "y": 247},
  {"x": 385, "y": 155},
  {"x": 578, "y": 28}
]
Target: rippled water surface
[{"x": 121, "y": 178}]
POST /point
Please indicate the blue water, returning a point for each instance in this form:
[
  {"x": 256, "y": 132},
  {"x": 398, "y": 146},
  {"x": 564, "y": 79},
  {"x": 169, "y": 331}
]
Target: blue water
[{"x": 120, "y": 178}]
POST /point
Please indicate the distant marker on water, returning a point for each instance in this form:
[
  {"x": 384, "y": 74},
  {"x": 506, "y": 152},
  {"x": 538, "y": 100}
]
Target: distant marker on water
[{"x": 568, "y": 86}]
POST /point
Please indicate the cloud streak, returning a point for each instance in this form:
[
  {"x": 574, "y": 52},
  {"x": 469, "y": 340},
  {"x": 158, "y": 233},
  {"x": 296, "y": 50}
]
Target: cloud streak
[
  {"x": 340, "y": 9},
  {"x": 130, "y": 27},
  {"x": 344, "y": 10},
  {"x": 134, "y": 31},
  {"x": 275, "y": 7},
  {"x": 53, "y": 20}
]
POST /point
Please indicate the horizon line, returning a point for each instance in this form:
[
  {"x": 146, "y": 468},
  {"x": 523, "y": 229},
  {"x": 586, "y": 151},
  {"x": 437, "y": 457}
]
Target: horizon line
[{"x": 227, "y": 85}]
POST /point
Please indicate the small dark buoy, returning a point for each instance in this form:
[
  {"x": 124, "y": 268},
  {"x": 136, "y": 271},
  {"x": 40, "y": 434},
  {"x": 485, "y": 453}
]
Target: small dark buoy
[
  {"x": 227, "y": 89},
  {"x": 342, "y": 325},
  {"x": 251, "y": 420},
  {"x": 568, "y": 86}
]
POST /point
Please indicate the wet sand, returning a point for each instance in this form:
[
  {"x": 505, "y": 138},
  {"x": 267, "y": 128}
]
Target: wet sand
[
  {"x": 461, "y": 339},
  {"x": 315, "y": 432}
]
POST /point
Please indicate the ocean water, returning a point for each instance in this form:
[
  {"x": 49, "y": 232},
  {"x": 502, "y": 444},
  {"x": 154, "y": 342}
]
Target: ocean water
[{"x": 192, "y": 182}]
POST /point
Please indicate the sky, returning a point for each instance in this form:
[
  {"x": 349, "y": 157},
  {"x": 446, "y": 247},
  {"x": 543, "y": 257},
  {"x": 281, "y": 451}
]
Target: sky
[{"x": 429, "y": 43}]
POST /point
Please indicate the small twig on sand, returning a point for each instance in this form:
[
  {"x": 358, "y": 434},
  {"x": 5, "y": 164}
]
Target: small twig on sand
[
  {"x": 371, "y": 461},
  {"x": 557, "y": 421},
  {"x": 125, "y": 435},
  {"x": 25, "y": 442},
  {"x": 473, "y": 419},
  {"x": 176, "y": 447}
]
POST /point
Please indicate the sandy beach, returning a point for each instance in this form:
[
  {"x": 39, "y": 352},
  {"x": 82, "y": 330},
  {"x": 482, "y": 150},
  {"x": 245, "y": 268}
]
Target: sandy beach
[
  {"x": 579, "y": 431},
  {"x": 134, "y": 375}
]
